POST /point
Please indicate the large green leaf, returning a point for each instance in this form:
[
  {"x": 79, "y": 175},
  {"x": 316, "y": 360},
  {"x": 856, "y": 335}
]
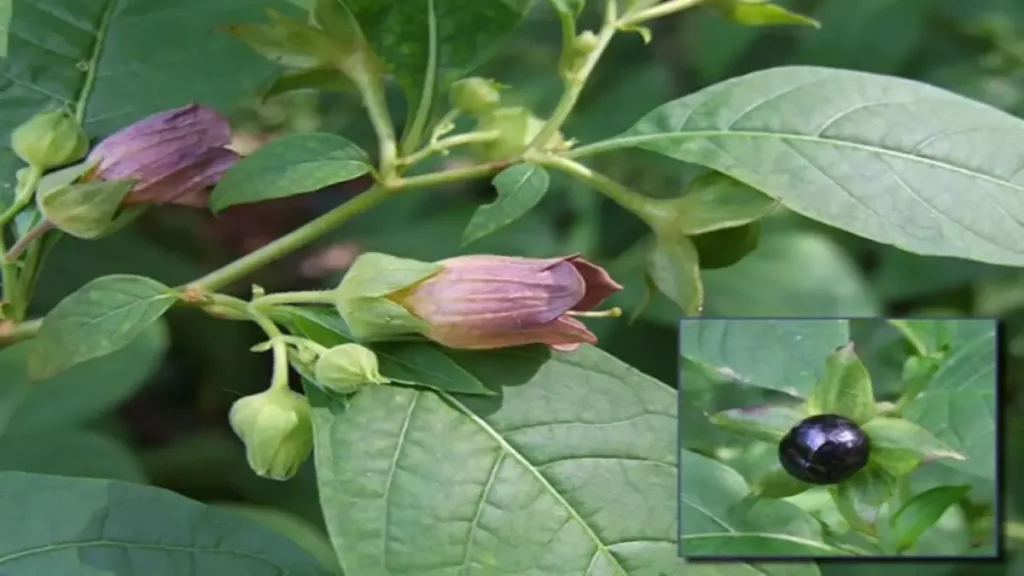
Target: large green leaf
[
  {"x": 889, "y": 159},
  {"x": 571, "y": 471},
  {"x": 959, "y": 405},
  {"x": 5, "y": 23},
  {"x": 428, "y": 44},
  {"x": 84, "y": 392},
  {"x": 115, "y": 61},
  {"x": 55, "y": 525},
  {"x": 76, "y": 453},
  {"x": 785, "y": 355}
]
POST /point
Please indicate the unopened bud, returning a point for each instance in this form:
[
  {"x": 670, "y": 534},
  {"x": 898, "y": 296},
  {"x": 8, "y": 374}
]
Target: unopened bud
[
  {"x": 347, "y": 367},
  {"x": 49, "y": 140},
  {"x": 277, "y": 430},
  {"x": 475, "y": 96}
]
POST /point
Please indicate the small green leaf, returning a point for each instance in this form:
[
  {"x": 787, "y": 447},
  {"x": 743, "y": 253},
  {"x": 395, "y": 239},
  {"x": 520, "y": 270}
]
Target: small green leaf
[
  {"x": 99, "y": 318},
  {"x": 846, "y": 388},
  {"x": 91, "y": 527},
  {"x": 322, "y": 78},
  {"x": 520, "y": 188},
  {"x": 959, "y": 404},
  {"x": 768, "y": 423},
  {"x": 673, "y": 267},
  {"x": 759, "y": 13},
  {"x": 921, "y": 512},
  {"x": 778, "y": 483},
  {"x": 715, "y": 201},
  {"x": 424, "y": 364},
  {"x": 726, "y": 247},
  {"x": 784, "y": 355},
  {"x": 85, "y": 210},
  {"x": 290, "y": 165},
  {"x": 900, "y": 445},
  {"x": 860, "y": 498}
]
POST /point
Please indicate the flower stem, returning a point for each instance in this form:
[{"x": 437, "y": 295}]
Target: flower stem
[
  {"x": 279, "y": 379},
  {"x": 445, "y": 144},
  {"x": 657, "y": 11},
  {"x": 625, "y": 197},
  {"x": 304, "y": 297},
  {"x": 9, "y": 268},
  {"x": 292, "y": 241},
  {"x": 575, "y": 82}
]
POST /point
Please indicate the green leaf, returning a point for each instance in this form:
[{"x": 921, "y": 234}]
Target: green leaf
[
  {"x": 290, "y": 165},
  {"x": 901, "y": 445},
  {"x": 784, "y": 355},
  {"x": 424, "y": 364},
  {"x": 82, "y": 393},
  {"x": 673, "y": 268},
  {"x": 959, "y": 405},
  {"x": 861, "y": 498},
  {"x": 520, "y": 188},
  {"x": 86, "y": 526},
  {"x": 715, "y": 201},
  {"x": 5, "y": 24},
  {"x": 75, "y": 453},
  {"x": 791, "y": 273},
  {"x": 768, "y": 423},
  {"x": 718, "y": 518},
  {"x": 526, "y": 476},
  {"x": 846, "y": 388},
  {"x": 933, "y": 336},
  {"x": 759, "y": 13},
  {"x": 429, "y": 44},
  {"x": 808, "y": 136},
  {"x": 311, "y": 538},
  {"x": 921, "y": 512},
  {"x": 99, "y": 318},
  {"x": 112, "y": 64}
]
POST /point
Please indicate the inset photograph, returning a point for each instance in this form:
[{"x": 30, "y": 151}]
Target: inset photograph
[{"x": 807, "y": 438}]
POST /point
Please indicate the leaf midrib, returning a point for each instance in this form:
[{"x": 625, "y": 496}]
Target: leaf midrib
[
  {"x": 639, "y": 140},
  {"x": 28, "y": 552},
  {"x": 511, "y": 451}
]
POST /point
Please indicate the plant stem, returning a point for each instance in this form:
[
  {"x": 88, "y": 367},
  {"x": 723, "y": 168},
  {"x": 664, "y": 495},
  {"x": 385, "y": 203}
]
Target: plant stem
[
  {"x": 8, "y": 268},
  {"x": 445, "y": 144},
  {"x": 12, "y": 255},
  {"x": 305, "y": 297},
  {"x": 575, "y": 83},
  {"x": 448, "y": 176},
  {"x": 625, "y": 197},
  {"x": 22, "y": 196},
  {"x": 11, "y": 334},
  {"x": 380, "y": 118},
  {"x": 292, "y": 241},
  {"x": 279, "y": 379}
]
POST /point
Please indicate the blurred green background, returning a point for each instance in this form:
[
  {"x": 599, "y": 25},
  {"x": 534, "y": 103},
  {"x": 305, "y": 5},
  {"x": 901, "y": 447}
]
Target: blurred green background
[{"x": 156, "y": 411}]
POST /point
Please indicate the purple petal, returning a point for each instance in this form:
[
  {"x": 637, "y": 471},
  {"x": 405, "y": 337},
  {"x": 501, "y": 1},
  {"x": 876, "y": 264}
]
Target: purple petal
[{"x": 194, "y": 175}]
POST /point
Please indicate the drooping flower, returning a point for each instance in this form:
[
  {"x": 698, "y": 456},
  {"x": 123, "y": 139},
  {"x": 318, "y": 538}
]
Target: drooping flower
[
  {"x": 174, "y": 156},
  {"x": 480, "y": 301}
]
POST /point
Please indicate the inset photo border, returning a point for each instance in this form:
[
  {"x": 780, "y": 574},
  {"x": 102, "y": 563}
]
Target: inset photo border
[{"x": 867, "y": 438}]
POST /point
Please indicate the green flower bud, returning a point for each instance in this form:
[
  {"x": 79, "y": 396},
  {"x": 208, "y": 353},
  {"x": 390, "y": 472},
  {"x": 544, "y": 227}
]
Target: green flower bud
[
  {"x": 346, "y": 367},
  {"x": 475, "y": 96},
  {"x": 365, "y": 297},
  {"x": 49, "y": 140},
  {"x": 277, "y": 429},
  {"x": 517, "y": 128},
  {"x": 85, "y": 210}
]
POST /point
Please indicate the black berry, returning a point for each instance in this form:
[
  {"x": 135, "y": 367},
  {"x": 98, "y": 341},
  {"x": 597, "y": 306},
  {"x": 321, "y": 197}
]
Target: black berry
[{"x": 824, "y": 449}]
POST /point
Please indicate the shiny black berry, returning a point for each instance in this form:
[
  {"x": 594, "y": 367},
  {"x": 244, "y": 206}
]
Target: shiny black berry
[{"x": 824, "y": 449}]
